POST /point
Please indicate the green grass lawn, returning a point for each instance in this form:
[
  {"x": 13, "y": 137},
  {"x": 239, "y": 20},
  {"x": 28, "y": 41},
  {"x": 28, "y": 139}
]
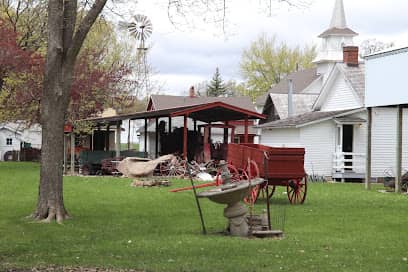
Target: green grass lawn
[{"x": 341, "y": 227}]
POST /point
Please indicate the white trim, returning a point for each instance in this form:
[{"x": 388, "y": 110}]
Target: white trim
[
  {"x": 331, "y": 117},
  {"x": 323, "y": 91}
]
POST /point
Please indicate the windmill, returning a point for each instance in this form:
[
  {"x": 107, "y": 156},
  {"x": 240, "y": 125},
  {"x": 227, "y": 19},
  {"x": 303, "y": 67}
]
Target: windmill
[{"x": 140, "y": 28}]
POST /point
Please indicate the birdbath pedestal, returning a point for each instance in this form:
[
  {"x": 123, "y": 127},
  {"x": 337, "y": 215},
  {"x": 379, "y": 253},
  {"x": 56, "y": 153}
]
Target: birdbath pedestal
[{"x": 231, "y": 195}]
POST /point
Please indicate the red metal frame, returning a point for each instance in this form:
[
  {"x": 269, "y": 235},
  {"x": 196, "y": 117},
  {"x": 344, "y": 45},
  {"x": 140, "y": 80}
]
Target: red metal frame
[{"x": 218, "y": 104}]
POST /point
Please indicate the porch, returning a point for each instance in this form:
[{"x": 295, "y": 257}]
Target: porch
[{"x": 348, "y": 165}]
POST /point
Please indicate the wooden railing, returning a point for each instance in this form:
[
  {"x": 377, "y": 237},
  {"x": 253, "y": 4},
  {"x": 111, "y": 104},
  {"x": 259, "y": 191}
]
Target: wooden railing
[{"x": 348, "y": 162}]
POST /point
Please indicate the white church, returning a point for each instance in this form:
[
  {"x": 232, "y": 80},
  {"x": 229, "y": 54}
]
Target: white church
[{"x": 322, "y": 109}]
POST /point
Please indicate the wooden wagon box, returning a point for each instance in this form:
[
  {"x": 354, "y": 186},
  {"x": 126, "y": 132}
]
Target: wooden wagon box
[{"x": 281, "y": 163}]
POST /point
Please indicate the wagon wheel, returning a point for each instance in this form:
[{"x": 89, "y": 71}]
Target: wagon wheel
[
  {"x": 271, "y": 190},
  {"x": 177, "y": 168},
  {"x": 253, "y": 195},
  {"x": 252, "y": 171},
  {"x": 164, "y": 168},
  {"x": 296, "y": 190},
  {"x": 235, "y": 175}
]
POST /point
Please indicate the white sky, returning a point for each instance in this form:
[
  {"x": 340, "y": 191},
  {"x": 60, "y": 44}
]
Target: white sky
[{"x": 185, "y": 58}]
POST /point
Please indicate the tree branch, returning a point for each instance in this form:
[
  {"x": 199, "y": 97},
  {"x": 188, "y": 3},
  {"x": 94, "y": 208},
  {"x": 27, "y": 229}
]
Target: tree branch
[{"x": 84, "y": 28}]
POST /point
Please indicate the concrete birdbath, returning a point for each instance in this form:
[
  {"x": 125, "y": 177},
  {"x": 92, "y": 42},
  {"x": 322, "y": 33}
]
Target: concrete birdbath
[{"x": 231, "y": 195}]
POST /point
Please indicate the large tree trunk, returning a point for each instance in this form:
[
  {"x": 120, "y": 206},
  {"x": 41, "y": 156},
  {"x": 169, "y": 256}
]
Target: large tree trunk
[
  {"x": 53, "y": 108},
  {"x": 63, "y": 48}
]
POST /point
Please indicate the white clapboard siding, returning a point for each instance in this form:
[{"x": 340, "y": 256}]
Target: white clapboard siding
[
  {"x": 340, "y": 97},
  {"x": 383, "y": 143},
  {"x": 281, "y": 137},
  {"x": 319, "y": 143},
  {"x": 4, "y": 134}
]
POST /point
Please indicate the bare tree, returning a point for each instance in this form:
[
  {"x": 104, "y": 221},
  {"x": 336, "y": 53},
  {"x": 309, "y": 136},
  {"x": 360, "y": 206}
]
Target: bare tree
[
  {"x": 183, "y": 13},
  {"x": 371, "y": 46}
]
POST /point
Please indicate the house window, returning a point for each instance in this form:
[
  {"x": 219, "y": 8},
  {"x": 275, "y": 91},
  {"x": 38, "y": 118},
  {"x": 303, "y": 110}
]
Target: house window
[{"x": 9, "y": 141}]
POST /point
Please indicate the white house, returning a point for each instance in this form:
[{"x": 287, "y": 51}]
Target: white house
[
  {"x": 328, "y": 117},
  {"x": 14, "y": 135},
  {"x": 387, "y": 103}
]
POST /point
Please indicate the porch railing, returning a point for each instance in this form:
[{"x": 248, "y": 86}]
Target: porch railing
[{"x": 348, "y": 162}]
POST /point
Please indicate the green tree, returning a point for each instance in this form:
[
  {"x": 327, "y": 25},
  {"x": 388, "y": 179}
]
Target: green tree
[
  {"x": 216, "y": 86},
  {"x": 266, "y": 62}
]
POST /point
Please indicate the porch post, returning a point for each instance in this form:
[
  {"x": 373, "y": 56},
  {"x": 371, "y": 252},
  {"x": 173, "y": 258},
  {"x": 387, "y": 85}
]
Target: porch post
[
  {"x": 156, "y": 154},
  {"x": 72, "y": 153},
  {"x": 226, "y": 134},
  {"x": 169, "y": 125},
  {"x": 246, "y": 130},
  {"x": 145, "y": 137},
  {"x": 398, "y": 167},
  {"x": 128, "y": 135},
  {"x": 368, "y": 149},
  {"x": 195, "y": 125},
  {"x": 117, "y": 143},
  {"x": 232, "y": 134},
  {"x": 185, "y": 138},
  {"x": 107, "y": 138},
  {"x": 92, "y": 140}
]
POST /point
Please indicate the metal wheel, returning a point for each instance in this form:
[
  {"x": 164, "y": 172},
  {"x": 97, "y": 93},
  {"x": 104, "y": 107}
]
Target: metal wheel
[
  {"x": 252, "y": 171},
  {"x": 253, "y": 195},
  {"x": 271, "y": 190},
  {"x": 235, "y": 175},
  {"x": 164, "y": 168},
  {"x": 296, "y": 190}
]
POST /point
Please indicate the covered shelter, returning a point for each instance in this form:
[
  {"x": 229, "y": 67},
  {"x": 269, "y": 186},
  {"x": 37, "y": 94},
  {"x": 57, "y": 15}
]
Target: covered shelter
[{"x": 207, "y": 112}]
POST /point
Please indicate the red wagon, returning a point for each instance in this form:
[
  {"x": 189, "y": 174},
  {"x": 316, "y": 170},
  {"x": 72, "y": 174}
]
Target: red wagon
[{"x": 278, "y": 166}]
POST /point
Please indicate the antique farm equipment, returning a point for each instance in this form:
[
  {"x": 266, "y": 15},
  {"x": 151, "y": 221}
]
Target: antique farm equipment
[
  {"x": 175, "y": 167},
  {"x": 278, "y": 166},
  {"x": 109, "y": 166}
]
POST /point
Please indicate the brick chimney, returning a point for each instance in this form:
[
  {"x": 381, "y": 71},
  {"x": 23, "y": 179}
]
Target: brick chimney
[
  {"x": 191, "y": 92},
  {"x": 350, "y": 55}
]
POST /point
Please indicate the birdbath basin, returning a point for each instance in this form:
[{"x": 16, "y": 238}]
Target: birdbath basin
[{"x": 231, "y": 195}]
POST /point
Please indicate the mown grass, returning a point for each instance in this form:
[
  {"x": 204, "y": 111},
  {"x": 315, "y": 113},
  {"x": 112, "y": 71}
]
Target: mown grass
[{"x": 341, "y": 227}]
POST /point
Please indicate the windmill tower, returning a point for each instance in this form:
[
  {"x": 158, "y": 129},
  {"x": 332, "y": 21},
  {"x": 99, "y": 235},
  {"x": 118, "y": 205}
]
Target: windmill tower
[{"x": 141, "y": 29}]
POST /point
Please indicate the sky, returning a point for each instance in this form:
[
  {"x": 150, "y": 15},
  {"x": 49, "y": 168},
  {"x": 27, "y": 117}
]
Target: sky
[{"x": 188, "y": 54}]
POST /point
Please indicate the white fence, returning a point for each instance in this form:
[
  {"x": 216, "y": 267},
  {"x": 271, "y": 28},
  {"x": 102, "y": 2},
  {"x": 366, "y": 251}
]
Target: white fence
[{"x": 348, "y": 162}]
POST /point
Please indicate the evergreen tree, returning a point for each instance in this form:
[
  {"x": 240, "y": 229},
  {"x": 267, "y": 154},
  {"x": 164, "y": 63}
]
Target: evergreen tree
[{"x": 216, "y": 86}]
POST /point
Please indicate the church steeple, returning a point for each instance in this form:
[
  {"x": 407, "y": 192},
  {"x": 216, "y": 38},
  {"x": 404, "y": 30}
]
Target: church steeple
[
  {"x": 339, "y": 17},
  {"x": 334, "y": 39},
  {"x": 338, "y": 24}
]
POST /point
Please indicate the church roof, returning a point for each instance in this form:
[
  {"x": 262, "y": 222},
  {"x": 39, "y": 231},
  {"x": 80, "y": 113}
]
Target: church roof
[
  {"x": 356, "y": 77},
  {"x": 301, "y": 80},
  {"x": 307, "y": 118},
  {"x": 302, "y": 103}
]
